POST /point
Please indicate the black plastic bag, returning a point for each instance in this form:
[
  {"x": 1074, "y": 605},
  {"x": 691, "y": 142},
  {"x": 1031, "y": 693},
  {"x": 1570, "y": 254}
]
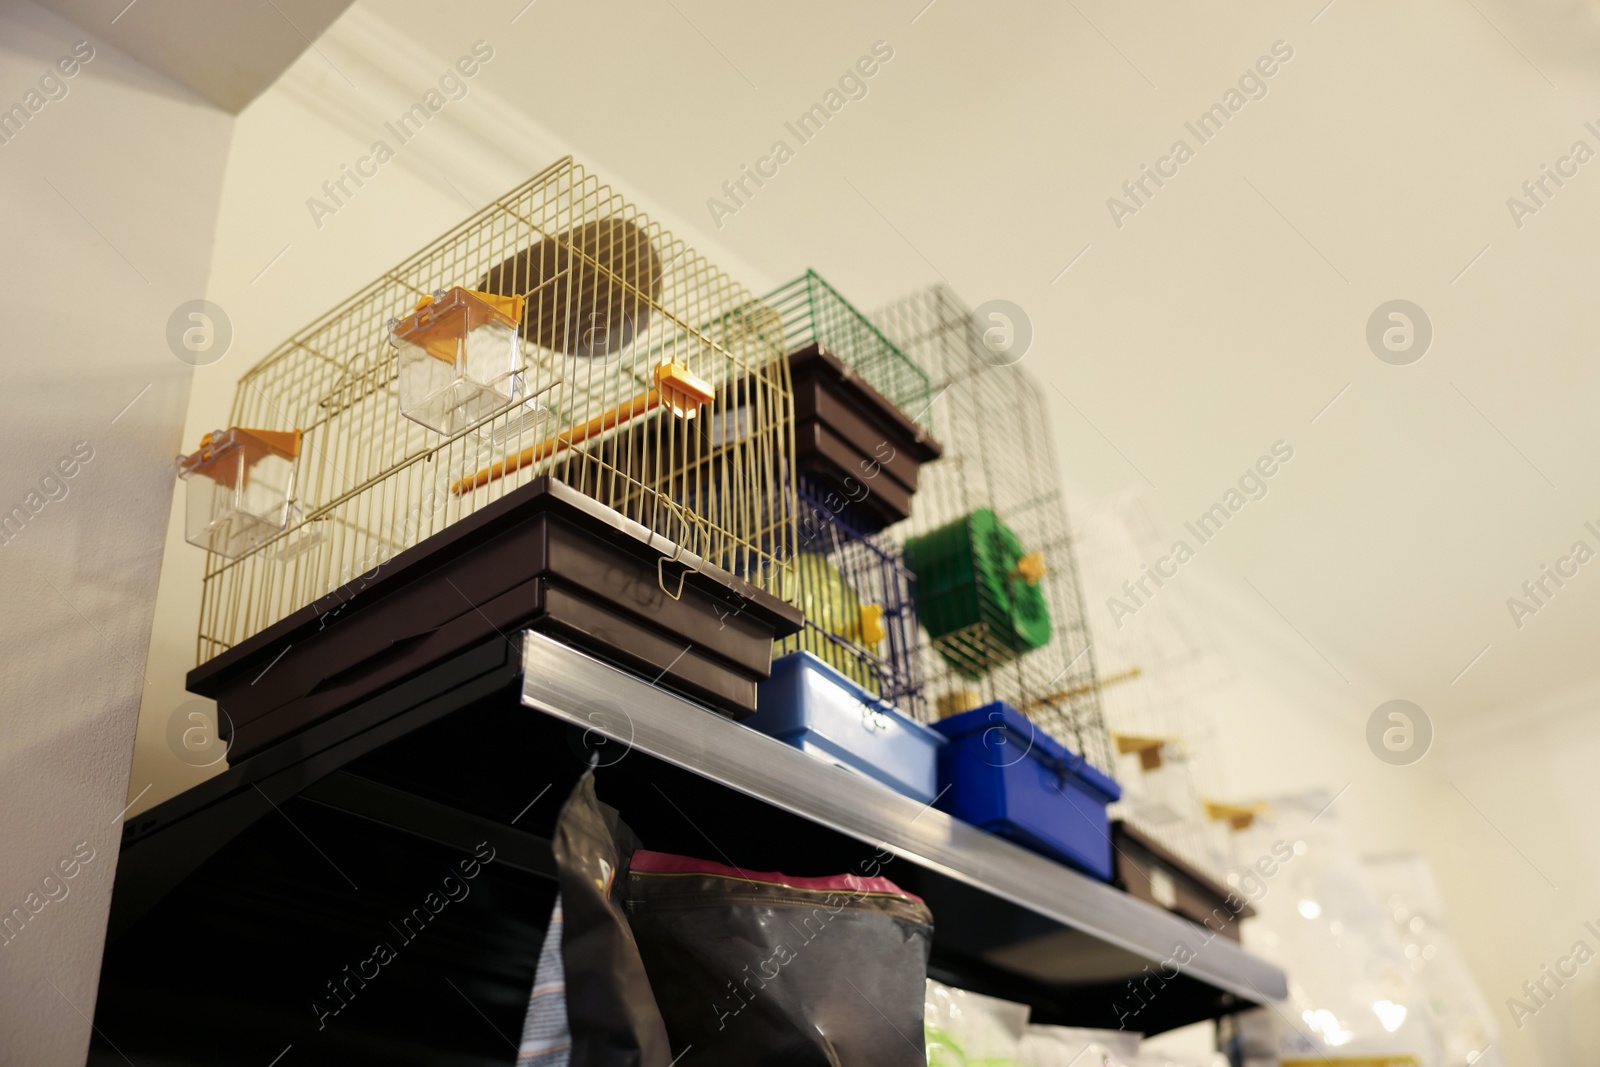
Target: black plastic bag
[
  {"x": 611, "y": 1010},
  {"x": 765, "y": 969}
]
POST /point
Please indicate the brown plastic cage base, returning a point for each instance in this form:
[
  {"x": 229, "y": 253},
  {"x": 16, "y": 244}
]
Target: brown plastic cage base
[
  {"x": 853, "y": 440},
  {"x": 543, "y": 557},
  {"x": 1150, "y": 871}
]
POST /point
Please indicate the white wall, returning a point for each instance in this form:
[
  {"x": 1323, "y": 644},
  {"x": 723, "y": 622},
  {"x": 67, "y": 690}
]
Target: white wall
[
  {"x": 1260, "y": 711},
  {"x": 1521, "y": 872},
  {"x": 1262, "y": 714},
  {"x": 1504, "y": 806},
  {"x": 107, "y": 201}
]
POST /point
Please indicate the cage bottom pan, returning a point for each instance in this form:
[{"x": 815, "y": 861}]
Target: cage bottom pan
[
  {"x": 544, "y": 557},
  {"x": 1003, "y": 774},
  {"x": 1148, "y": 870},
  {"x": 852, "y": 439},
  {"x": 813, "y": 707}
]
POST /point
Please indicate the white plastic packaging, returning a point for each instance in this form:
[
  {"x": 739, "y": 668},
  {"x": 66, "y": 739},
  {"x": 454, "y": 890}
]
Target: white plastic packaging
[
  {"x": 966, "y": 1029},
  {"x": 1461, "y": 1016},
  {"x": 1069, "y": 1046},
  {"x": 1351, "y": 991}
]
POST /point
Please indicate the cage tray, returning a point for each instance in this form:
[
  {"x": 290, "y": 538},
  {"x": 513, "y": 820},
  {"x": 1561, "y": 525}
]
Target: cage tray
[
  {"x": 1150, "y": 871},
  {"x": 810, "y": 706},
  {"x": 544, "y": 557},
  {"x": 844, "y": 428},
  {"x": 1003, "y": 774}
]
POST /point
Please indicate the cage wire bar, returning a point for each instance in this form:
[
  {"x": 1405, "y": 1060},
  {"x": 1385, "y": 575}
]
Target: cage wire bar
[
  {"x": 813, "y": 311},
  {"x": 999, "y": 454},
  {"x": 851, "y": 582},
  {"x": 611, "y": 297}
]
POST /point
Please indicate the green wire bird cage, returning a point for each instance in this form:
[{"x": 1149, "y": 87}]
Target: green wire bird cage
[
  {"x": 863, "y": 411},
  {"x": 814, "y": 313}
]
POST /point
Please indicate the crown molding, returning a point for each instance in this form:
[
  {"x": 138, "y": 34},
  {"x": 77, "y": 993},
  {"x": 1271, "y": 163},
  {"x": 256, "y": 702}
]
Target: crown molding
[{"x": 1569, "y": 712}]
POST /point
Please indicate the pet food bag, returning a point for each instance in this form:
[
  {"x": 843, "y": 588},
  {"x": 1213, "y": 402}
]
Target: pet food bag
[{"x": 760, "y": 968}]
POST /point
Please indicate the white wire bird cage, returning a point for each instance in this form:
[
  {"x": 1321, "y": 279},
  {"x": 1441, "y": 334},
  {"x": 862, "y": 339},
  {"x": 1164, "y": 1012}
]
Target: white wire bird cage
[
  {"x": 1168, "y": 675},
  {"x": 558, "y": 331},
  {"x": 1015, "y": 629}
]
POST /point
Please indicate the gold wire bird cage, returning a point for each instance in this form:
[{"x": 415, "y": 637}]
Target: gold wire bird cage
[
  {"x": 560, "y": 332},
  {"x": 997, "y": 586}
]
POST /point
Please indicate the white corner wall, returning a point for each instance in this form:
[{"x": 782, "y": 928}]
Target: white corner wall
[
  {"x": 108, "y": 199},
  {"x": 1504, "y": 806},
  {"x": 1522, "y": 873},
  {"x": 1262, "y": 714}
]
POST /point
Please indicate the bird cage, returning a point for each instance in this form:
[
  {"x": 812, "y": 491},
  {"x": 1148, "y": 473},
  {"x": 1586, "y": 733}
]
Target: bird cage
[
  {"x": 863, "y": 410},
  {"x": 1162, "y": 675},
  {"x": 855, "y": 592},
  {"x": 997, "y": 585},
  {"x": 558, "y": 332},
  {"x": 815, "y": 313}
]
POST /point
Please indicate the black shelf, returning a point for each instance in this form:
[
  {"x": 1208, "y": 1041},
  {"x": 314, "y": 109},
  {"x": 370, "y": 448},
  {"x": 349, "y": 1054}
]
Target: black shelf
[{"x": 237, "y": 901}]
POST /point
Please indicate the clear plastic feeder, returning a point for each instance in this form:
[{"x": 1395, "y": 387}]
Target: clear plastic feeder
[
  {"x": 460, "y": 358},
  {"x": 239, "y": 486}
]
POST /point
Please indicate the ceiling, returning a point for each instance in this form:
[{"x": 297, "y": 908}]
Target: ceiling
[{"x": 228, "y": 51}]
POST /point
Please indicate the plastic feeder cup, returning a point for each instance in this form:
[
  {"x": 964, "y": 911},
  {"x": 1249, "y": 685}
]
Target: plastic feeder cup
[
  {"x": 239, "y": 484},
  {"x": 460, "y": 358}
]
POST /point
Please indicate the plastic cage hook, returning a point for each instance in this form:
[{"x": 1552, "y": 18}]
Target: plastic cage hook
[
  {"x": 874, "y": 720},
  {"x": 1065, "y": 769}
]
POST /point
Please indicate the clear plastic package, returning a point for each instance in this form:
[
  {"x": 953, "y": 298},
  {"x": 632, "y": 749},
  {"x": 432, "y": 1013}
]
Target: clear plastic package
[
  {"x": 460, "y": 358},
  {"x": 1352, "y": 995},
  {"x": 966, "y": 1029},
  {"x": 1070, "y": 1046},
  {"x": 239, "y": 486},
  {"x": 1461, "y": 1015}
]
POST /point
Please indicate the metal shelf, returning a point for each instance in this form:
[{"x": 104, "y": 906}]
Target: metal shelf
[
  {"x": 298, "y": 859},
  {"x": 1092, "y": 935}
]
